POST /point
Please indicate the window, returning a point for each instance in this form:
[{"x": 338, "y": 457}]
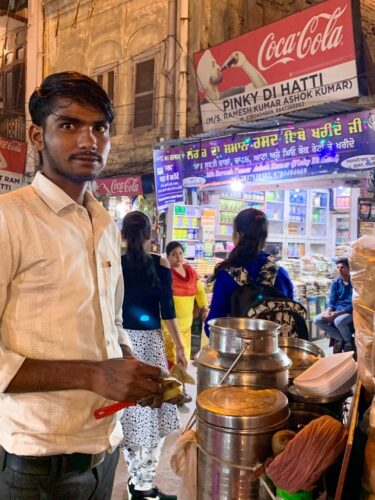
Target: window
[
  {"x": 14, "y": 88},
  {"x": 105, "y": 76},
  {"x": 107, "y": 81},
  {"x": 144, "y": 94},
  {"x": 12, "y": 75}
]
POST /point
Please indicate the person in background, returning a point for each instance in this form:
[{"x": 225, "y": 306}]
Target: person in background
[
  {"x": 250, "y": 231},
  {"x": 148, "y": 294},
  {"x": 62, "y": 345},
  {"x": 273, "y": 252},
  {"x": 188, "y": 291},
  {"x": 337, "y": 320}
]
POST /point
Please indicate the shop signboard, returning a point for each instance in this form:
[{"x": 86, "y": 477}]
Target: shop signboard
[
  {"x": 168, "y": 176},
  {"x": 330, "y": 146},
  {"x": 299, "y": 61},
  {"x": 118, "y": 186},
  {"x": 12, "y": 164}
]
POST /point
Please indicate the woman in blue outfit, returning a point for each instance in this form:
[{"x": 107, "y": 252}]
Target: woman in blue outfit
[
  {"x": 148, "y": 297},
  {"x": 250, "y": 231}
]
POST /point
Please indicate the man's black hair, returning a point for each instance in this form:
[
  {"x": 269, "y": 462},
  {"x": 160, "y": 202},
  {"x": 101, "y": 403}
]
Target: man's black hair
[
  {"x": 68, "y": 85},
  {"x": 343, "y": 260}
]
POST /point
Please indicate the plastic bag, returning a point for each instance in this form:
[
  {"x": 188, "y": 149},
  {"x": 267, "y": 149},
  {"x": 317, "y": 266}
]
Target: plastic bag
[{"x": 362, "y": 272}]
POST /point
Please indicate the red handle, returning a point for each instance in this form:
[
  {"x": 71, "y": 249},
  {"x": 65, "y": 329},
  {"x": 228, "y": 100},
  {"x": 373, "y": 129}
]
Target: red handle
[{"x": 106, "y": 411}]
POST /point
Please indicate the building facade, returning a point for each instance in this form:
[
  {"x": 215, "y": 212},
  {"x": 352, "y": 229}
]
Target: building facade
[{"x": 141, "y": 52}]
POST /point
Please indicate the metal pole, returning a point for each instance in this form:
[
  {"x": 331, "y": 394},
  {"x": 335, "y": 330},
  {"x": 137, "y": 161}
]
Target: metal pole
[
  {"x": 170, "y": 72},
  {"x": 184, "y": 41}
]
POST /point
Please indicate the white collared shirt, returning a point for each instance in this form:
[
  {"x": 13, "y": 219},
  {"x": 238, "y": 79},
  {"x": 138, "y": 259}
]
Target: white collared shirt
[{"x": 61, "y": 291}]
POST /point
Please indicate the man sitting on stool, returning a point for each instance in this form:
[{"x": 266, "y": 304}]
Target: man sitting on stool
[{"x": 337, "y": 320}]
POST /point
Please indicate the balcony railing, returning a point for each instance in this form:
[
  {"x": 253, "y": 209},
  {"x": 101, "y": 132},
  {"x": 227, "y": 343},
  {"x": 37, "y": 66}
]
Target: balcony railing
[{"x": 13, "y": 126}]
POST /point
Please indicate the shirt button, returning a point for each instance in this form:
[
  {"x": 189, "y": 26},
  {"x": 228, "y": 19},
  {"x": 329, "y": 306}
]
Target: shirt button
[{"x": 107, "y": 343}]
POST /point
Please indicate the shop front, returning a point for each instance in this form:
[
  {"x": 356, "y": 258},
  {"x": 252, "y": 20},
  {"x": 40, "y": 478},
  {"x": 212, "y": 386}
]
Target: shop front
[
  {"x": 307, "y": 178},
  {"x": 122, "y": 194}
]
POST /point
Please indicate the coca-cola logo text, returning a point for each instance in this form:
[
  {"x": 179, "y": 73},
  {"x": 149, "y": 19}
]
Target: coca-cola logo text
[
  {"x": 15, "y": 146},
  {"x": 128, "y": 185},
  {"x": 321, "y": 33},
  {"x": 120, "y": 186}
]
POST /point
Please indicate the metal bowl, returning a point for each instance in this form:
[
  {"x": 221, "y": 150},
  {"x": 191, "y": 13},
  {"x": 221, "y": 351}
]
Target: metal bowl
[
  {"x": 301, "y": 352},
  {"x": 228, "y": 335}
]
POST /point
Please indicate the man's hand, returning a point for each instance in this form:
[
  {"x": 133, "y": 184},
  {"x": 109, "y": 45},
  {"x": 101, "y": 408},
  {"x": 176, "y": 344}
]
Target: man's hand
[
  {"x": 328, "y": 315},
  {"x": 126, "y": 380},
  {"x": 239, "y": 59}
]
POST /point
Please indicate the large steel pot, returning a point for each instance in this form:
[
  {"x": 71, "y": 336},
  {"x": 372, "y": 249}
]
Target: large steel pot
[
  {"x": 234, "y": 432},
  {"x": 263, "y": 365}
]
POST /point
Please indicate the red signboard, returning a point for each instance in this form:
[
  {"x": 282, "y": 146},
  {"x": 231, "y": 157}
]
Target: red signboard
[
  {"x": 12, "y": 155},
  {"x": 118, "y": 186},
  {"x": 302, "y": 60}
]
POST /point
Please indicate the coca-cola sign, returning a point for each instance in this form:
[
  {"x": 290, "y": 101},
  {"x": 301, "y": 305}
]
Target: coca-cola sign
[
  {"x": 12, "y": 155},
  {"x": 118, "y": 186},
  {"x": 299, "y": 61},
  {"x": 321, "y": 33}
]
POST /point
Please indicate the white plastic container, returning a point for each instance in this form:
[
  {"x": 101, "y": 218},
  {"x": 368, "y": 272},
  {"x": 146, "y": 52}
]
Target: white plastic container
[{"x": 331, "y": 375}]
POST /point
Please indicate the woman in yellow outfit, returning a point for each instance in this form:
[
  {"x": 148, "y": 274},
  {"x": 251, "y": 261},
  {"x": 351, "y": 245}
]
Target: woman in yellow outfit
[{"x": 187, "y": 289}]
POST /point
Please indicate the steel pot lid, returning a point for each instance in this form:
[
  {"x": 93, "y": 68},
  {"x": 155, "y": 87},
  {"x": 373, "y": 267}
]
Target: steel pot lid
[
  {"x": 255, "y": 363},
  {"x": 244, "y": 327},
  {"x": 298, "y": 396},
  {"x": 238, "y": 407}
]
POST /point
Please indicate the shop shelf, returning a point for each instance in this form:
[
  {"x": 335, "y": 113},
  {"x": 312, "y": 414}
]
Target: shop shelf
[
  {"x": 188, "y": 216},
  {"x": 278, "y": 202},
  {"x": 298, "y": 204}
]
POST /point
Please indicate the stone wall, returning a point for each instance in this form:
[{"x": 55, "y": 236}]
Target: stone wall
[{"x": 112, "y": 34}]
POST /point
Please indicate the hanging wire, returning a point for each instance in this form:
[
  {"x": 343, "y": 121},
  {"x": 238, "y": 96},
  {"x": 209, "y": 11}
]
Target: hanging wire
[
  {"x": 57, "y": 23},
  {"x": 75, "y": 20}
]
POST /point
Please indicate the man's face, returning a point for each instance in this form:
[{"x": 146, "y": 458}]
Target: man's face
[
  {"x": 343, "y": 271},
  {"x": 74, "y": 142}
]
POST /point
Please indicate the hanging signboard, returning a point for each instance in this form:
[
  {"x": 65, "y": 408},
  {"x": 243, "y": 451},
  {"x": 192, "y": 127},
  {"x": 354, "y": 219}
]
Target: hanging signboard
[
  {"x": 168, "y": 176},
  {"x": 118, "y": 186},
  {"x": 330, "y": 146},
  {"x": 12, "y": 164},
  {"x": 302, "y": 60}
]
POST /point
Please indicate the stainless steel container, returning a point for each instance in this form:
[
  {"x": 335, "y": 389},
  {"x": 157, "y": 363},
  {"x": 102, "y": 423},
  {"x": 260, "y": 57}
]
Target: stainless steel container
[
  {"x": 234, "y": 432},
  {"x": 335, "y": 406},
  {"x": 263, "y": 365},
  {"x": 302, "y": 353},
  {"x": 302, "y": 414}
]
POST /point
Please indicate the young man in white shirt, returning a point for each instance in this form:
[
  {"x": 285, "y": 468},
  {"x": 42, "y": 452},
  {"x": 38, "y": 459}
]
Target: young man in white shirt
[{"x": 63, "y": 352}]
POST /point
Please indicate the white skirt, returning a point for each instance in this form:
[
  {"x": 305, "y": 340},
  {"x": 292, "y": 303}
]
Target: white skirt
[{"x": 145, "y": 426}]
